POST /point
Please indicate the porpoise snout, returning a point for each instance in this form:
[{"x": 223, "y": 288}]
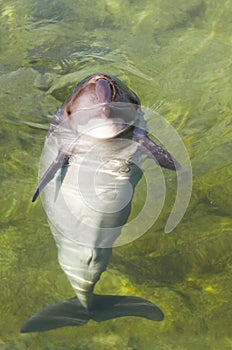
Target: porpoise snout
[{"x": 103, "y": 91}]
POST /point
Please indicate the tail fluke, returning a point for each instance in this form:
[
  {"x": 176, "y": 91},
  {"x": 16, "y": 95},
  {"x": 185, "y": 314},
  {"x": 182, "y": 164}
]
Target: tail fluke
[
  {"x": 105, "y": 307},
  {"x": 61, "y": 314}
]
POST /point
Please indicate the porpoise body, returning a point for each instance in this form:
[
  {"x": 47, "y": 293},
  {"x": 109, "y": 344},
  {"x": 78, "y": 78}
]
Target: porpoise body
[{"x": 87, "y": 179}]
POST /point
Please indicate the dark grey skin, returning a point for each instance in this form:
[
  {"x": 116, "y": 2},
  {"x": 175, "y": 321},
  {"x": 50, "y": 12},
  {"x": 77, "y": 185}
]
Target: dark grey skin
[{"x": 104, "y": 116}]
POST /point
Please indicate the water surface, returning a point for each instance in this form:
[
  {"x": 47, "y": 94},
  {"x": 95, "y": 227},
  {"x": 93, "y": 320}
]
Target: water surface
[{"x": 177, "y": 56}]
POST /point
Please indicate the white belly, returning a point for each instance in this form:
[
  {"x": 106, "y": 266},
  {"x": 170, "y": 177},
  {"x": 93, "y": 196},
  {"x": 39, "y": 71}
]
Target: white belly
[{"x": 91, "y": 202}]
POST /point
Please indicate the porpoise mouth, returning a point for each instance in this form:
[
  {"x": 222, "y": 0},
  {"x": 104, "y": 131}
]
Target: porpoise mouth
[{"x": 97, "y": 111}]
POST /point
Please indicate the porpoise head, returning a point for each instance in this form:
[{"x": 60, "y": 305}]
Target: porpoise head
[{"x": 100, "y": 106}]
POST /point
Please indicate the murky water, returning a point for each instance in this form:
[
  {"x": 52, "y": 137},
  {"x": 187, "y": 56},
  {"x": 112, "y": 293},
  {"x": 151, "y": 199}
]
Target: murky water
[{"x": 177, "y": 56}]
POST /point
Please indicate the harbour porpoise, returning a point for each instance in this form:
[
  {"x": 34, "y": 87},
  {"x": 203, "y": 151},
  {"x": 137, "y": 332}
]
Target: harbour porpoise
[{"x": 86, "y": 165}]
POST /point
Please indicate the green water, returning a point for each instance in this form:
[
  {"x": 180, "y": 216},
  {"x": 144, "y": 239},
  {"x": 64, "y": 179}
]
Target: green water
[{"x": 177, "y": 56}]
